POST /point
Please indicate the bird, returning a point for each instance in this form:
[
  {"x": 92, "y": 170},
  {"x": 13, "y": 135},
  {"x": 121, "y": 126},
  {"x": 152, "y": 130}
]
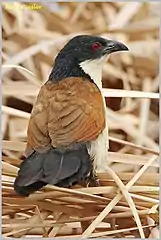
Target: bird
[{"x": 67, "y": 136}]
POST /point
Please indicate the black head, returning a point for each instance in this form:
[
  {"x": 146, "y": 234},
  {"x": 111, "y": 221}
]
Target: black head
[{"x": 78, "y": 50}]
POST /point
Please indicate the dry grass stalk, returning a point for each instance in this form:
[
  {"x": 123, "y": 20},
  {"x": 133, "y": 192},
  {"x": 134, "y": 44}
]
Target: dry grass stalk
[{"x": 130, "y": 187}]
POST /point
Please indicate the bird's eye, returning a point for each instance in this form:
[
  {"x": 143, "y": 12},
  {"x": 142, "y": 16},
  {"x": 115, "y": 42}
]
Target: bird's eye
[{"x": 96, "y": 45}]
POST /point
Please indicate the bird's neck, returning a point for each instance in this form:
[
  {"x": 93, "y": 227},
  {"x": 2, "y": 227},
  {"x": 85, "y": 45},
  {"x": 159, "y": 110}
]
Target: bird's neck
[
  {"x": 89, "y": 69},
  {"x": 94, "y": 69},
  {"x": 65, "y": 69}
]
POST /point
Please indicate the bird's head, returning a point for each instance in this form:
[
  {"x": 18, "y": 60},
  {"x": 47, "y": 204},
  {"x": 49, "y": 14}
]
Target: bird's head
[{"x": 85, "y": 54}]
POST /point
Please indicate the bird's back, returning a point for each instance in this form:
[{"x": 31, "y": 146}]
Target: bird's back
[{"x": 66, "y": 117}]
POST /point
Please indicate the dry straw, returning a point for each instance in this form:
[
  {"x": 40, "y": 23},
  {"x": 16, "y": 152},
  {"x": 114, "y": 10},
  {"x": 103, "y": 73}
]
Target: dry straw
[{"x": 126, "y": 203}]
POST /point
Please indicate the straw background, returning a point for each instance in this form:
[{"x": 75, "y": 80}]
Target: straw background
[{"x": 126, "y": 203}]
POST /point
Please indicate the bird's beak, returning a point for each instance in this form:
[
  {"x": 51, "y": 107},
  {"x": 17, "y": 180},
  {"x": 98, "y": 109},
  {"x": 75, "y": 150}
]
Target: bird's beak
[{"x": 114, "y": 46}]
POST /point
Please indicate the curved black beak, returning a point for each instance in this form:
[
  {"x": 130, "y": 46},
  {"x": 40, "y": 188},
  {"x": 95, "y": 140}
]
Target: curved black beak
[{"x": 115, "y": 46}]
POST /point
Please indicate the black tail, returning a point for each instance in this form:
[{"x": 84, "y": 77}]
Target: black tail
[{"x": 59, "y": 167}]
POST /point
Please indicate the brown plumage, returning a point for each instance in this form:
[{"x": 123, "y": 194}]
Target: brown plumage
[
  {"x": 67, "y": 132},
  {"x": 67, "y": 112}
]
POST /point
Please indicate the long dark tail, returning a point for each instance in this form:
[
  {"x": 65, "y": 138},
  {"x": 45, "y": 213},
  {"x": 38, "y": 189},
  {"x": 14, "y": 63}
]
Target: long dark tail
[{"x": 59, "y": 167}]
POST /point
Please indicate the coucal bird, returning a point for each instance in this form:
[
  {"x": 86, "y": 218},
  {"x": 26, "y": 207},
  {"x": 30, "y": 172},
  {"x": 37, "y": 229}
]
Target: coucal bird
[{"x": 67, "y": 132}]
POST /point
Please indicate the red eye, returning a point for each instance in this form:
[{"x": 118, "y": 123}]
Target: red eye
[{"x": 96, "y": 45}]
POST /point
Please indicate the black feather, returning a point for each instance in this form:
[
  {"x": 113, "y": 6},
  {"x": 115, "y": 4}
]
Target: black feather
[{"x": 60, "y": 167}]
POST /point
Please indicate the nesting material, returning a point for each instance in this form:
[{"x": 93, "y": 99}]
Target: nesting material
[{"x": 126, "y": 203}]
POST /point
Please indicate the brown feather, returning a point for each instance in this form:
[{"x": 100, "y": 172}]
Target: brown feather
[{"x": 65, "y": 112}]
